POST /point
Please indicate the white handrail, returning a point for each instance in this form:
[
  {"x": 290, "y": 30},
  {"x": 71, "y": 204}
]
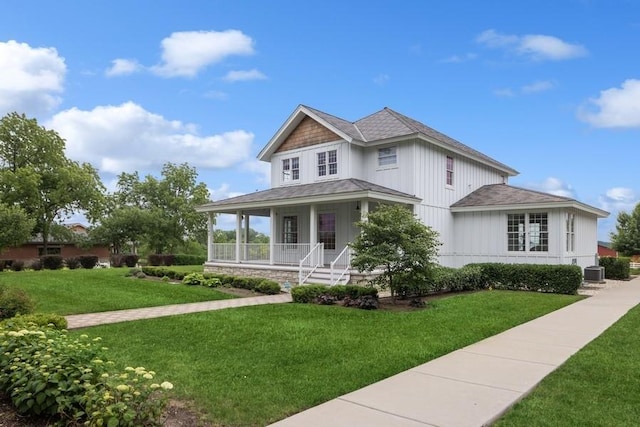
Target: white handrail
[
  {"x": 311, "y": 262},
  {"x": 346, "y": 254}
]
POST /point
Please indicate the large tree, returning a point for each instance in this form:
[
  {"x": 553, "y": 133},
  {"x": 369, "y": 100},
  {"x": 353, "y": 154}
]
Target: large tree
[
  {"x": 395, "y": 242},
  {"x": 16, "y": 226},
  {"x": 36, "y": 175},
  {"x": 626, "y": 239},
  {"x": 166, "y": 206}
]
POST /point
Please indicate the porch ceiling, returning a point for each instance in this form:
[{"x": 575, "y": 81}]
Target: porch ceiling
[{"x": 258, "y": 203}]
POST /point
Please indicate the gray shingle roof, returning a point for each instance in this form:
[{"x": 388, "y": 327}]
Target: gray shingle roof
[
  {"x": 388, "y": 123},
  {"x": 337, "y": 187},
  {"x": 503, "y": 194}
]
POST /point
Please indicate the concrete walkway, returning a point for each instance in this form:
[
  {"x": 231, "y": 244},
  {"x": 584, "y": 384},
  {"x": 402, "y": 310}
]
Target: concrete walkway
[
  {"x": 92, "y": 319},
  {"x": 475, "y": 385}
]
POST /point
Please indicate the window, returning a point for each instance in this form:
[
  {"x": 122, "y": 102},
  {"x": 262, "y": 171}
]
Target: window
[
  {"x": 290, "y": 229},
  {"x": 571, "y": 235},
  {"x": 449, "y": 170},
  {"x": 387, "y": 156},
  {"x": 515, "y": 232},
  {"x": 327, "y": 230},
  {"x": 291, "y": 169},
  {"x": 528, "y": 232},
  {"x": 328, "y": 163},
  {"x": 51, "y": 250}
]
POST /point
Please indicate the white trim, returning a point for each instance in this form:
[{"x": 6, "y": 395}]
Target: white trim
[{"x": 528, "y": 206}]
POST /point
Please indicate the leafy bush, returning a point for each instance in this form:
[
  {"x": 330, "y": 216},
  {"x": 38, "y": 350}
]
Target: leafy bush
[
  {"x": 467, "y": 278},
  {"x": 52, "y": 262},
  {"x": 130, "y": 260},
  {"x": 140, "y": 275},
  {"x": 17, "y": 265},
  {"x": 154, "y": 259},
  {"x": 23, "y": 321},
  {"x": 157, "y": 260},
  {"x": 14, "y": 301},
  {"x": 325, "y": 299},
  {"x": 72, "y": 263},
  {"x": 269, "y": 287},
  {"x": 73, "y": 382},
  {"x": 307, "y": 293},
  {"x": 186, "y": 259},
  {"x": 193, "y": 279},
  {"x": 116, "y": 260},
  {"x": 88, "y": 261},
  {"x": 3, "y": 264},
  {"x": 36, "y": 265},
  {"x": 616, "y": 268},
  {"x": 561, "y": 279}
]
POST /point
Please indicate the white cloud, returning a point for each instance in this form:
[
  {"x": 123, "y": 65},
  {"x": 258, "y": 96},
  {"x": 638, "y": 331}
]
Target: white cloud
[
  {"x": 184, "y": 54},
  {"x": 260, "y": 168},
  {"x": 456, "y": 59},
  {"x": 30, "y": 78},
  {"x": 554, "y": 186},
  {"x": 123, "y": 67},
  {"x": 244, "y": 75},
  {"x": 533, "y": 46},
  {"x": 618, "y": 199},
  {"x": 538, "y": 86},
  {"x": 615, "y": 107},
  {"x": 127, "y": 138},
  {"x": 504, "y": 92},
  {"x": 223, "y": 192},
  {"x": 381, "y": 79},
  {"x": 215, "y": 94}
]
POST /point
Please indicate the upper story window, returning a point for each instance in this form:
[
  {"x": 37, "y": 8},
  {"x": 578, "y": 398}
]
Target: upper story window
[
  {"x": 571, "y": 233},
  {"x": 328, "y": 163},
  {"x": 291, "y": 169},
  {"x": 387, "y": 156},
  {"x": 449, "y": 170},
  {"x": 528, "y": 232}
]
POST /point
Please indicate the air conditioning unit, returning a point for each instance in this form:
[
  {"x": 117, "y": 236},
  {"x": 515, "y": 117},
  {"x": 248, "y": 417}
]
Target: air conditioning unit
[{"x": 594, "y": 274}]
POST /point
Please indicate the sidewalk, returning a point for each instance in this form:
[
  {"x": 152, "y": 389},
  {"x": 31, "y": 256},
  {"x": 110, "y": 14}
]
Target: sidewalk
[
  {"x": 92, "y": 319},
  {"x": 475, "y": 385}
]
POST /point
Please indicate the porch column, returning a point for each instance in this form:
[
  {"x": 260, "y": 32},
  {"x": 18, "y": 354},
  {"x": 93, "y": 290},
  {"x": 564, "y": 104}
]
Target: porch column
[
  {"x": 364, "y": 209},
  {"x": 246, "y": 236},
  {"x": 210, "y": 236},
  {"x": 313, "y": 225},
  {"x": 238, "y": 234},
  {"x": 272, "y": 234}
]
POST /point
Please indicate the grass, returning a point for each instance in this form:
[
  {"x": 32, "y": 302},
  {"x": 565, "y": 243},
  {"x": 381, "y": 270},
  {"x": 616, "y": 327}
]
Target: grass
[
  {"x": 87, "y": 291},
  {"x": 254, "y": 365},
  {"x": 598, "y": 386}
]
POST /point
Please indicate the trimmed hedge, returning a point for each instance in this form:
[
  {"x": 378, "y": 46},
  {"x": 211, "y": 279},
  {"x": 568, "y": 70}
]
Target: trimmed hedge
[
  {"x": 616, "y": 268},
  {"x": 52, "y": 262},
  {"x": 322, "y": 294},
  {"x": 560, "y": 279},
  {"x": 88, "y": 261},
  {"x": 186, "y": 259},
  {"x": 72, "y": 263},
  {"x": 157, "y": 260}
]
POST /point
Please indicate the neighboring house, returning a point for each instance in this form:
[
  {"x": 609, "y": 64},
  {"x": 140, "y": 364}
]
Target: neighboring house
[
  {"x": 34, "y": 248},
  {"x": 605, "y": 250},
  {"x": 327, "y": 173}
]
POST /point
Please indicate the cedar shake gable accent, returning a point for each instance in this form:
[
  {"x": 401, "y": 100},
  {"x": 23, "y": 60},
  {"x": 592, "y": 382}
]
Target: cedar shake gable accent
[{"x": 307, "y": 133}]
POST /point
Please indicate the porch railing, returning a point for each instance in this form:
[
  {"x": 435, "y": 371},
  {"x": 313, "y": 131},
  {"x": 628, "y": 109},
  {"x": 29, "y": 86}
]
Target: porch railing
[
  {"x": 259, "y": 253},
  {"x": 340, "y": 265},
  {"x": 309, "y": 264}
]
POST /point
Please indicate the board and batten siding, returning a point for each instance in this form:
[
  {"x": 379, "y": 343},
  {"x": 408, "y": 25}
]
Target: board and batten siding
[{"x": 482, "y": 237}]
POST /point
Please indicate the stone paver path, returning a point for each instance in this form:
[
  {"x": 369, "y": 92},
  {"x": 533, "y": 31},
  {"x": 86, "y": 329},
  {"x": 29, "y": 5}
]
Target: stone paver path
[{"x": 92, "y": 319}]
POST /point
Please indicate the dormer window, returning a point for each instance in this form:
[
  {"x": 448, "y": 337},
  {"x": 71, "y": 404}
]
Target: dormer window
[
  {"x": 328, "y": 163},
  {"x": 387, "y": 156},
  {"x": 291, "y": 169}
]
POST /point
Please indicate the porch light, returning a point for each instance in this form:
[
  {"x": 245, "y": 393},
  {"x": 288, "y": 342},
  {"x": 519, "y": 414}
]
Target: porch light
[{"x": 358, "y": 205}]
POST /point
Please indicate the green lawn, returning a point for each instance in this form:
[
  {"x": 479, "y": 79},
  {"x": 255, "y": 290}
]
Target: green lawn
[
  {"x": 255, "y": 365},
  {"x": 598, "y": 386},
  {"x": 86, "y": 291}
]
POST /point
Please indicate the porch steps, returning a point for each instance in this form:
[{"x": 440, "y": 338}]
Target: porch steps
[{"x": 322, "y": 276}]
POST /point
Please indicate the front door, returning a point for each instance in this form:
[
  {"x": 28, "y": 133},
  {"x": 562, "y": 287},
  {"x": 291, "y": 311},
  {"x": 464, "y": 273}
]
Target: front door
[{"x": 327, "y": 234}]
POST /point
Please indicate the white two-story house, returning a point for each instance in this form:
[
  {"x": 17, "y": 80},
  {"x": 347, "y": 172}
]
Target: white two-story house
[{"x": 327, "y": 173}]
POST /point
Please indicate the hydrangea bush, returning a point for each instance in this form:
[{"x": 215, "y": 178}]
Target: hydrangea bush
[{"x": 49, "y": 373}]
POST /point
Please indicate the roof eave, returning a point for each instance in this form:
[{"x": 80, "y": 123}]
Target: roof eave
[
  {"x": 294, "y": 120},
  {"x": 521, "y": 206}
]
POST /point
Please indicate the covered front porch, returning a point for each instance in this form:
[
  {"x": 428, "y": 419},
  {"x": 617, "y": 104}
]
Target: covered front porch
[{"x": 310, "y": 227}]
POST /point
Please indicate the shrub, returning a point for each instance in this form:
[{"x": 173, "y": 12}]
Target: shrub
[
  {"x": 17, "y": 265},
  {"x": 269, "y": 287},
  {"x": 140, "y": 275},
  {"x": 52, "y": 262},
  {"x": 88, "y": 261},
  {"x": 561, "y": 279},
  {"x": 130, "y": 260},
  {"x": 154, "y": 259},
  {"x": 467, "y": 278},
  {"x": 132, "y": 272},
  {"x": 186, "y": 259},
  {"x": 74, "y": 382},
  {"x": 116, "y": 260},
  {"x": 72, "y": 263},
  {"x": 193, "y": 279},
  {"x": 23, "y": 321},
  {"x": 2, "y": 264},
  {"x": 13, "y": 302},
  {"x": 616, "y": 268},
  {"x": 367, "y": 302},
  {"x": 36, "y": 265},
  {"x": 307, "y": 293},
  {"x": 169, "y": 259},
  {"x": 325, "y": 299}
]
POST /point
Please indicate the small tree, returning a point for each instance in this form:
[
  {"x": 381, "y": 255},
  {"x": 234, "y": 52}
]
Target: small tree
[
  {"x": 626, "y": 239},
  {"x": 15, "y": 227},
  {"x": 394, "y": 240}
]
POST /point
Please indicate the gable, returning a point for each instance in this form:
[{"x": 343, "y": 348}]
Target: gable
[{"x": 307, "y": 133}]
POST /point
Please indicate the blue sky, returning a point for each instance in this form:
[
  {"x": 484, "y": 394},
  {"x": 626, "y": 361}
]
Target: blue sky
[{"x": 551, "y": 88}]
